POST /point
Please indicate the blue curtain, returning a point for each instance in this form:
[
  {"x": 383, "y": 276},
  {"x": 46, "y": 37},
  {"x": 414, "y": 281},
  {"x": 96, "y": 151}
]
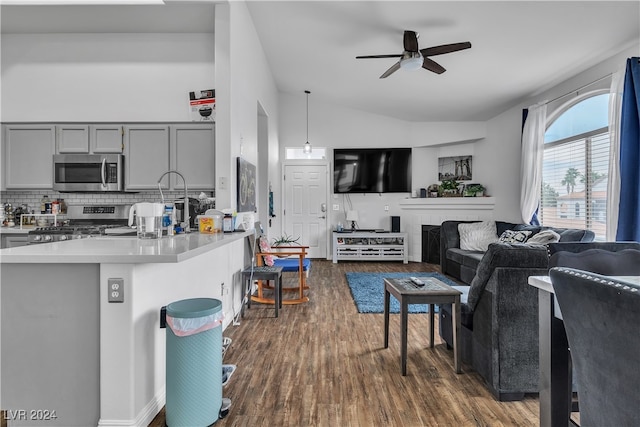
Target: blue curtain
[{"x": 629, "y": 207}]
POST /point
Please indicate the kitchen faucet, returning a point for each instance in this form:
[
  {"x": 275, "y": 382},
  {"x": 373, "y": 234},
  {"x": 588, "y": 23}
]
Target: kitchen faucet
[{"x": 186, "y": 218}]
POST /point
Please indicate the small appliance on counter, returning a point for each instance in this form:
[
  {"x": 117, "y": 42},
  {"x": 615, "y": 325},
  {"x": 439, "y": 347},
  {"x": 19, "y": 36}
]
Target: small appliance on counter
[{"x": 148, "y": 218}]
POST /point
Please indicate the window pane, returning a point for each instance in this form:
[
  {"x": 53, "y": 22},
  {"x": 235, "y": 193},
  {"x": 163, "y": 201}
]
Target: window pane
[
  {"x": 562, "y": 200},
  {"x": 298, "y": 153},
  {"x": 585, "y": 116},
  {"x": 574, "y": 190}
]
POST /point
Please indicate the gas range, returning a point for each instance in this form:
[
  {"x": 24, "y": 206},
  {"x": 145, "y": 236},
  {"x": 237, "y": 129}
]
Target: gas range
[{"x": 84, "y": 221}]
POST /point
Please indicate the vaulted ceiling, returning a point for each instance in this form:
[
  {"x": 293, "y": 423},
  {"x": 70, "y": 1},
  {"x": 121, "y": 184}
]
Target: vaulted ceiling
[{"x": 519, "y": 48}]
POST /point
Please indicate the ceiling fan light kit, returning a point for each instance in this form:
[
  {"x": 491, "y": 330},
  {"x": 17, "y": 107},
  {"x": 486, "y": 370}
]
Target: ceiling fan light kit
[
  {"x": 412, "y": 61},
  {"x": 413, "y": 58}
]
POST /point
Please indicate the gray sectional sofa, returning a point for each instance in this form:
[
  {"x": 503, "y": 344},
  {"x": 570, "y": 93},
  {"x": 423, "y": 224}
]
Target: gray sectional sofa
[{"x": 499, "y": 333}]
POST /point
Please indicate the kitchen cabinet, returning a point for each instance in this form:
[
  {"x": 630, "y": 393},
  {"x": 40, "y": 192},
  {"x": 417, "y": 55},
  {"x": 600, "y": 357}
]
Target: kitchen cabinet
[
  {"x": 28, "y": 151},
  {"x": 193, "y": 155},
  {"x": 106, "y": 138},
  {"x": 72, "y": 139},
  {"x": 85, "y": 139},
  {"x": 147, "y": 156}
]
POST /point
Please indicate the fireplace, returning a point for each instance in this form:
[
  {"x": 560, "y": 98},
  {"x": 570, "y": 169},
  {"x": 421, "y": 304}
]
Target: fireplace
[
  {"x": 433, "y": 211},
  {"x": 431, "y": 244}
]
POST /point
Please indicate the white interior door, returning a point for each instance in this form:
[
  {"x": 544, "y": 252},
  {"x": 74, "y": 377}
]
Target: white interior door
[{"x": 305, "y": 206}]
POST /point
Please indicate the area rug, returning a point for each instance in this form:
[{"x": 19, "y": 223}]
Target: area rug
[{"x": 367, "y": 290}]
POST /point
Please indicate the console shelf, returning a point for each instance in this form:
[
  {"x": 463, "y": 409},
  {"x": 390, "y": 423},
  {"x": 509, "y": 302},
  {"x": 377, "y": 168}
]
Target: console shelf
[{"x": 370, "y": 246}]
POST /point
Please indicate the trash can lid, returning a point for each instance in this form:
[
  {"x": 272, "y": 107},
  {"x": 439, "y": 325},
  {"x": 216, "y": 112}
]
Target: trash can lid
[{"x": 194, "y": 307}]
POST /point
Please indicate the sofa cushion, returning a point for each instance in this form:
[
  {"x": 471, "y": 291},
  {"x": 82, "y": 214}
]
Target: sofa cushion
[
  {"x": 477, "y": 236},
  {"x": 544, "y": 237},
  {"x": 462, "y": 257},
  {"x": 515, "y": 255}
]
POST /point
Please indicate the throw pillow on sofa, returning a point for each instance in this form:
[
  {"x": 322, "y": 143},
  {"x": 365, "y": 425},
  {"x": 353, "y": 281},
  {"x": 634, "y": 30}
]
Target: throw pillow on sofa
[
  {"x": 544, "y": 237},
  {"x": 477, "y": 236},
  {"x": 510, "y": 236}
]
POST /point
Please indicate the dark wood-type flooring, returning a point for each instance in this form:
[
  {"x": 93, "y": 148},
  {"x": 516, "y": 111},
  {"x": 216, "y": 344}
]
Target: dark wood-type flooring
[{"x": 323, "y": 364}]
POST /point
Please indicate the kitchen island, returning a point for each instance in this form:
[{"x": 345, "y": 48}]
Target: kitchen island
[{"x": 66, "y": 350}]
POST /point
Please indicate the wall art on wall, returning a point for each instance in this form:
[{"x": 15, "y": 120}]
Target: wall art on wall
[
  {"x": 246, "y": 186},
  {"x": 457, "y": 168}
]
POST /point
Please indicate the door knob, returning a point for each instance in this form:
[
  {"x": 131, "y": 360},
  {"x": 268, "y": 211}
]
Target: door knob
[{"x": 323, "y": 207}]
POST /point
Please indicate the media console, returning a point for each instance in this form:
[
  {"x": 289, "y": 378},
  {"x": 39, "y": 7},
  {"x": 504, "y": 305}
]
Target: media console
[{"x": 370, "y": 246}]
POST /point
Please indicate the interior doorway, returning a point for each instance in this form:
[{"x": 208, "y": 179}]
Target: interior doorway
[{"x": 305, "y": 212}]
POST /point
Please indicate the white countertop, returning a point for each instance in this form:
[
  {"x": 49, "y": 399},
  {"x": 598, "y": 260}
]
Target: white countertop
[{"x": 121, "y": 250}]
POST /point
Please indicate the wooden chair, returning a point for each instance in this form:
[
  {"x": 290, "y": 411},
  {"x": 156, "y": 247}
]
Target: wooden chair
[{"x": 292, "y": 259}]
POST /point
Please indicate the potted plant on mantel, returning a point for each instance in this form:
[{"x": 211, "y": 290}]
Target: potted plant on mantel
[
  {"x": 474, "y": 190},
  {"x": 450, "y": 188}
]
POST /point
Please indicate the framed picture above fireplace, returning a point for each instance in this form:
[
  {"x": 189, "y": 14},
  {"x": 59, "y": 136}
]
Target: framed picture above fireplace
[{"x": 458, "y": 168}]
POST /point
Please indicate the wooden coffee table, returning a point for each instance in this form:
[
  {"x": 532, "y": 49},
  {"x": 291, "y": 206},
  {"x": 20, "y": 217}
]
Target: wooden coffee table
[{"x": 433, "y": 292}]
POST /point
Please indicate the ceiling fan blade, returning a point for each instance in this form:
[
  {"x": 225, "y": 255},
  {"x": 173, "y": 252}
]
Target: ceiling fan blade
[
  {"x": 379, "y": 56},
  {"x": 410, "y": 41},
  {"x": 431, "y": 65},
  {"x": 395, "y": 67},
  {"x": 445, "y": 48}
]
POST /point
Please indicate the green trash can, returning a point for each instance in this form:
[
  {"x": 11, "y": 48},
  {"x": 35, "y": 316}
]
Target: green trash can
[{"x": 194, "y": 362}]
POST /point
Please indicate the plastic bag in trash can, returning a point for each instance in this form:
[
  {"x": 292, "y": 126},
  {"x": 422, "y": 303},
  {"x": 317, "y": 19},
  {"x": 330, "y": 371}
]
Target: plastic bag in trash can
[{"x": 184, "y": 327}]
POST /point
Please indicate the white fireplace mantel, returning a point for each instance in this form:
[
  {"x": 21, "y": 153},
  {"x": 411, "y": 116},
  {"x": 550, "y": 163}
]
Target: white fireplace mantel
[{"x": 436, "y": 210}]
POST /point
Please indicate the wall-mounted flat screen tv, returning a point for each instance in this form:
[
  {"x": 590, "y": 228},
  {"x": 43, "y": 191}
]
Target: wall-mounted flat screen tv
[{"x": 372, "y": 170}]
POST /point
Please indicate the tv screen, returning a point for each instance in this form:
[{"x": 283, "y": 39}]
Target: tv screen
[{"x": 372, "y": 170}]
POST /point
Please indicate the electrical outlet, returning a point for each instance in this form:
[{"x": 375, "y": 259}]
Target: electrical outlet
[
  {"x": 336, "y": 207},
  {"x": 222, "y": 181},
  {"x": 386, "y": 208},
  {"x": 115, "y": 290}
]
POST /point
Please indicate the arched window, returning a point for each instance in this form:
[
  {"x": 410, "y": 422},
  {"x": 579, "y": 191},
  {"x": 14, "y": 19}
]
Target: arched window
[{"x": 575, "y": 166}]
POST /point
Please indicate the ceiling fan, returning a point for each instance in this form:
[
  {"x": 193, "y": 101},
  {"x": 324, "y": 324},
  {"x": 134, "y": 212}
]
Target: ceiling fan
[{"x": 413, "y": 59}]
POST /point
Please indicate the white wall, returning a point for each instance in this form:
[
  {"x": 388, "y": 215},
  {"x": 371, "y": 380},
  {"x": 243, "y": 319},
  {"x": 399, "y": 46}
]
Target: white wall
[
  {"x": 498, "y": 157},
  {"x": 335, "y": 126},
  {"x": 246, "y": 79},
  {"x": 103, "y": 77}
]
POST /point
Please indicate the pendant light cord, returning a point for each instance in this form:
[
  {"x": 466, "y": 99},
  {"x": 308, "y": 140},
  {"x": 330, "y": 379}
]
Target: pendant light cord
[{"x": 307, "y": 92}]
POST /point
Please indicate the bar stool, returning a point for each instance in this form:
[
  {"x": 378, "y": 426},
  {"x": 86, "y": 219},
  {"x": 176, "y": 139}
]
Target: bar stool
[{"x": 263, "y": 272}]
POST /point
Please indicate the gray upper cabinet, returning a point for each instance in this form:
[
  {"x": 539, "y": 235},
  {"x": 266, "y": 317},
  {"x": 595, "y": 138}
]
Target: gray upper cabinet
[
  {"x": 106, "y": 138},
  {"x": 147, "y": 156},
  {"x": 73, "y": 138},
  {"x": 94, "y": 138},
  {"x": 28, "y": 162},
  {"x": 193, "y": 155}
]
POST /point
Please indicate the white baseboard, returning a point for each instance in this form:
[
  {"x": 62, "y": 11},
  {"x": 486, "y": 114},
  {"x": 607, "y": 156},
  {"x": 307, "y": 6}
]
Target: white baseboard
[{"x": 145, "y": 416}]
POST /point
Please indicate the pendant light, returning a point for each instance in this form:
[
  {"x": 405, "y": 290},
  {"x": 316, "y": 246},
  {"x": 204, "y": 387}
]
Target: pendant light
[{"x": 307, "y": 146}]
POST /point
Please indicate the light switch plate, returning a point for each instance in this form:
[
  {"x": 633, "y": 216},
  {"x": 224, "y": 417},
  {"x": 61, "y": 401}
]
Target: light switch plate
[
  {"x": 336, "y": 207},
  {"x": 115, "y": 289}
]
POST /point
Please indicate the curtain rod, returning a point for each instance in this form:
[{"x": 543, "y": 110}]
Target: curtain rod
[{"x": 579, "y": 89}]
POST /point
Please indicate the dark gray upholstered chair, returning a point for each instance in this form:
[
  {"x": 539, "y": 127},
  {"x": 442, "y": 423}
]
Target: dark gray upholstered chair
[{"x": 601, "y": 317}]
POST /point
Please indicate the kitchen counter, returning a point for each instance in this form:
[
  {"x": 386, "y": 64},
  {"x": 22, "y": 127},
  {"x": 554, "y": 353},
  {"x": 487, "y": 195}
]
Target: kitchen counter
[
  {"x": 68, "y": 347},
  {"x": 121, "y": 250}
]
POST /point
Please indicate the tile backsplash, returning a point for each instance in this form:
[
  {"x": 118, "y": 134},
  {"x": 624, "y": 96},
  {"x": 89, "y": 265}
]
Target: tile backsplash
[{"x": 32, "y": 198}]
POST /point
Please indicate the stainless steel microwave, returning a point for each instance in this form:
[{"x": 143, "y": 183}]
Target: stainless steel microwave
[{"x": 88, "y": 172}]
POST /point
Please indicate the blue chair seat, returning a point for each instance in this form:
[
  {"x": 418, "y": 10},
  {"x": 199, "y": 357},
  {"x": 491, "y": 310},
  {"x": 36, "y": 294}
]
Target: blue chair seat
[{"x": 292, "y": 264}]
